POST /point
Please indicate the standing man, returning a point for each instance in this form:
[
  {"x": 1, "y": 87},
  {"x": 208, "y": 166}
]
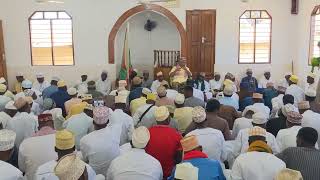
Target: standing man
[
  {"x": 146, "y": 80},
  {"x": 104, "y": 84},
  {"x": 180, "y": 73},
  {"x": 41, "y": 83},
  {"x": 295, "y": 90},
  {"x": 164, "y": 144},
  {"x": 252, "y": 81},
  {"x": 47, "y": 92},
  {"x": 265, "y": 79},
  {"x": 158, "y": 82}
]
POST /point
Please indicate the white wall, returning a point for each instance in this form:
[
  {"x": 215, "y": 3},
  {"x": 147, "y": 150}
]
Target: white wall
[
  {"x": 142, "y": 43},
  {"x": 93, "y": 21},
  {"x": 303, "y": 37}
]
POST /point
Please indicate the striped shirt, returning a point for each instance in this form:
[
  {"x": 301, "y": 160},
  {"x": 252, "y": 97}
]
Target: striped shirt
[{"x": 305, "y": 160}]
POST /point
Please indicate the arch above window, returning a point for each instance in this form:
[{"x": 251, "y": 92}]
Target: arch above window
[
  {"x": 255, "y": 27},
  {"x": 51, "y": 38},
  {"x": 315, "y": 34}
]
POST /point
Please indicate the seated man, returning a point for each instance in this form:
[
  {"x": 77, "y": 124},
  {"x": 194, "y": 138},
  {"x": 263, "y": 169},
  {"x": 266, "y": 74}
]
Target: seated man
[
  {"x": 252, "y": 81},
  {"x": 180, "y": 73},
  {"x": 259, "y": 105},
  {"x": 285, "y": 81},
  {"x": 139, "y": 164},
  {"x": 305, "y": 157},
  {"x": 268, "y": 94},
  {"x": 190, "y": 100},
  {"x": 200, "y": 83},
  {"x": 41, "y": 83},
  {"x": 182, "y": 114},
  {"x": 163, "y": 99},
  {"x": 147, "y": 82},
  {"x": 208, "y": 169},
  {"x": 216, "y": 82},
  {"x": 265, "y": 79},
  {"x": 295, "y": 90},
  {"x": 258, "y": 163},
  {"x": 227, "y": 98},
  {"x": 158, "y": 82},
  {"x": 18, "y": 84}
]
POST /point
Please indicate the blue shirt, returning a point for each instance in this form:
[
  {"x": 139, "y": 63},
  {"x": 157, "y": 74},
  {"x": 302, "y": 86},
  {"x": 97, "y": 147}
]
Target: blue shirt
[
  {"x": 135, "y": 93},
  {"x": 208, "y": 169},
  {"x": 47, "y": 92},
  {"x": 60, "y": 97},
  {"x": 247, "y": 101},
  {"x": 252, "y": 83},
  {"x": 229, "y": 101}
]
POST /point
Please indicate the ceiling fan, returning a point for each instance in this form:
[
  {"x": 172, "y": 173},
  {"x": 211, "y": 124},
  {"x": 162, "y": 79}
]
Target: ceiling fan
[{"x": 49, "y": 1}]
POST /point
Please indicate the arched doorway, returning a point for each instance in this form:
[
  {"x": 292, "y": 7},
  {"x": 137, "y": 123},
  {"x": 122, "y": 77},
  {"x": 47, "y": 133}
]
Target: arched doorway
[{"x": 152, "y": 7}]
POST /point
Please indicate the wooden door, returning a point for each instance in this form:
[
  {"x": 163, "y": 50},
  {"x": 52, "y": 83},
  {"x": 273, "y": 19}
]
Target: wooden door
[
  {"x": 201, "y": 26},
  {"x": 3, "y": 67}
]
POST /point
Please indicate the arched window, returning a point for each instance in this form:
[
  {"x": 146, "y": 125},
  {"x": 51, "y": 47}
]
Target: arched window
[
  {"x": 315, "y": 33},
  {"x": 51, "y": 38},
  {"x": 255, "y": 37}
]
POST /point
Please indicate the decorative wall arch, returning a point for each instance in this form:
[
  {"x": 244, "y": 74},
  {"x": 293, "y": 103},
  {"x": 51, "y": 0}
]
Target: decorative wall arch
[{"x": 153, "y": 7}]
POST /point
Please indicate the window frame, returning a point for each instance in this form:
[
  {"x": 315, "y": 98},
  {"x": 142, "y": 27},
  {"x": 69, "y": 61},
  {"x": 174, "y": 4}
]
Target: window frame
[
  {"x": 52, "y": 52},
  {"x": 254, "y": 52},
  {"x": 311, "y": 38}
]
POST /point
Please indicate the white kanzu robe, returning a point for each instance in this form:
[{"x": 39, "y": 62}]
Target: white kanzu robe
[{"x": 9, "y": 172}]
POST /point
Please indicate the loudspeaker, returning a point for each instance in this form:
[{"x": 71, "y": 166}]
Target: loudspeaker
[{"x": 295, "y": 7}]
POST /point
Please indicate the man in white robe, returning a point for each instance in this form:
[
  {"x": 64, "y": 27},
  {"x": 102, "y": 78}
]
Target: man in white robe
[
  {"x": 80, "y": 125},
  {"x": 39, "y": 148},
  {"x": 9, "y": 112},
  {"x": 287, "y": 137},
  {"x": 258, "y": 163},
  {"x": 119, "y": 117},
  {"x": 243, "y": 122},
  {"x": 241, "y": 144},
  {"x": 9, "y": 172},
  {"x": 285, "y": 81},
  {"x": 24, "y": 123},
  {"x": 211, "y": 140},
  {"x": 265, "y": 79},
  {"x": 311, "y": 119},
  {"x": 41, "y": 83},
  {"x": 259, "y": 105},
  {"x": 97, "y": 151},
  {"x": 104, "y": 84},
  {"x": 139, "y": 164},
  {"x": 277, "y": 102},
  {"x": 158, "y": 82},
  {"x": 311, "y": 83},
  {"x": 82, "y": 86},
  {"x": 216, "y": 82},
  {"x": 295, "y": 90}
]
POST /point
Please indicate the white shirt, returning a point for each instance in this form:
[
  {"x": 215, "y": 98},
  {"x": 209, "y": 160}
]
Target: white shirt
[
  {"x": 35, "y": 109},
  {"x": 198, "y": 94},
  {"x": 82, "y": 88},
  {"x": 57, "y": 117},
  {"x": 287, "y": 137},
  {"x": 284, "y": 83},
  {"x": 40, "y": 87},
  {"x": 215, "y": 84},
  {"x": 46, "y": 171},
  {"x": 100, "y": 147},
  {"x": 311, "y": 86},
  {"x": 4, "y": 118},
  {"x": 256, "y": 166},
  {"x": 154, "y": 86},
  {"x": 212, "y": 142},
  {"x": 125, "y": 121},
  {"x": 3, "y": 101},
  {"x": 260, "y": 107},
  {"x": 277, "y": 103},
  {"x": 80, "y": 125},
  {"x": 24, "y": 125},
  {"x": 311, "y": 119},
  {"x": 171, "y": 93},
  {"x": 9, "y": 172},
  {"x": 241, "y": 143},
  {"x": 263, "y": 82},
  {"x": 297, "y": 92},
  {"x": 138, "y": 165},
  {"x": 148, "y": 119},
  {"x": 36, "y": 151},
  {"x": 104, "y": 86},
  {"x": 241, "y": 123}
]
